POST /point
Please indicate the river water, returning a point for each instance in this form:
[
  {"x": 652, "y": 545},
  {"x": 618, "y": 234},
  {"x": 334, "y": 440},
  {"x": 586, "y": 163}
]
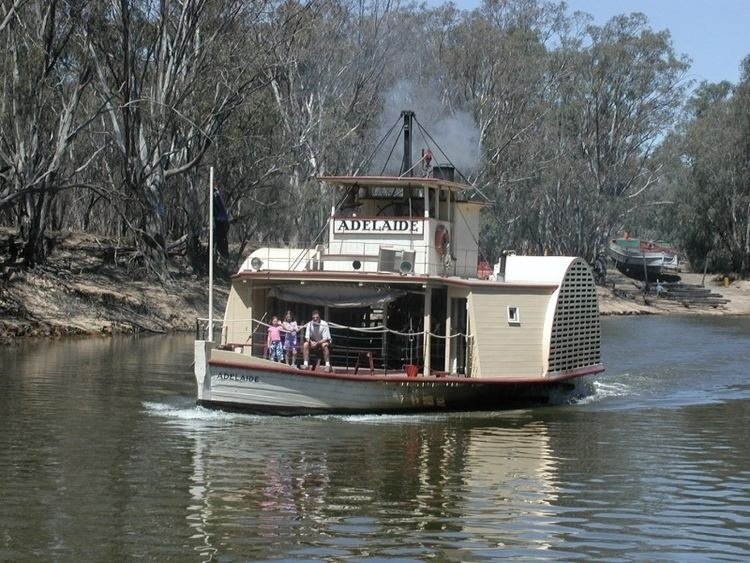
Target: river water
[{"x": 105, "y": 456}]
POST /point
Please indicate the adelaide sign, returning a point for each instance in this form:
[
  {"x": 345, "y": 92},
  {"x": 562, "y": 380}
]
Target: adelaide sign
[{"x": 378, "y": 226}]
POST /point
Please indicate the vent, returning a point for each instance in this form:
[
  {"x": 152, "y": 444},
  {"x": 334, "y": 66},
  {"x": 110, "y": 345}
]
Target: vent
[
  {"x": 444, "y": 172},
  {"x": 394, "y": 260},
  {"x": 576, "y": 335}
]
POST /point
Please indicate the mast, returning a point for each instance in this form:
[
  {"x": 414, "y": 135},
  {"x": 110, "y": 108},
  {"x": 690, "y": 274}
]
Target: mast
[{"x": 211, "y": 255}]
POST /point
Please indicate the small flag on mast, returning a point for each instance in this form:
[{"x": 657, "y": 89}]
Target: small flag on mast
[{"x": 221, "y": 225}]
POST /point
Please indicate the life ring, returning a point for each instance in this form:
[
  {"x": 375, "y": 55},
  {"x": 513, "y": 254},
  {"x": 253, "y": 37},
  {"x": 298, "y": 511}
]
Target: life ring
[{"x": 442, "y": 240}]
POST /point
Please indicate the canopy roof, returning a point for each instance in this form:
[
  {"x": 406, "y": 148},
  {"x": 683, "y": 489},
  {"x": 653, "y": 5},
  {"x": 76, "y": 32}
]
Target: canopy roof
[
  {"x": 336, "y": 295},
  {"x": 395, "y": 182}
]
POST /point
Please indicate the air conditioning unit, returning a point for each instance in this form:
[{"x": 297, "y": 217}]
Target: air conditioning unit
[
  {"x": 387, "y": 259},
  {"x": 398, "y": 261},
  {"x": 408, "y": 258}
]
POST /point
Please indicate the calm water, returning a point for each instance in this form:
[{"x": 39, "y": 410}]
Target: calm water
[{"x": 104, "y": 456}]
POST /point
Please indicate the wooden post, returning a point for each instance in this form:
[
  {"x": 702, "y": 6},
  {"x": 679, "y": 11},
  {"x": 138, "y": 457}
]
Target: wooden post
[
  {"x": 448, "y": 328},
  {"x": 384, "y": 339},
  {"x": 427, "y": 329}
]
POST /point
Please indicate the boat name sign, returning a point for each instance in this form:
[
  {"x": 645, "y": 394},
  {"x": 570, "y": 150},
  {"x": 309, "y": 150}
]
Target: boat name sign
[
  {"x": 378, "y": 226},
  {"x": 224, "y": 376}
]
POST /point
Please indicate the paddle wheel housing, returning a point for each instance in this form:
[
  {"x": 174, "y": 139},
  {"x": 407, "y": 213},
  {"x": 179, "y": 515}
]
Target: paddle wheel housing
[{"x": 575, "y": 340}]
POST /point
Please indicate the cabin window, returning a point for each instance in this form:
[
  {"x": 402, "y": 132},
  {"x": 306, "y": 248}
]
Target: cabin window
[{"x": 514, "y": 315}]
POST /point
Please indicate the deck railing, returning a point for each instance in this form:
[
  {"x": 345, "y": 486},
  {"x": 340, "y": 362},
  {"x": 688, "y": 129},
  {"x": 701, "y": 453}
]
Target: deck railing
[
  {"x": 340, "y": 256},
  {"x": 390, "y": 349}
]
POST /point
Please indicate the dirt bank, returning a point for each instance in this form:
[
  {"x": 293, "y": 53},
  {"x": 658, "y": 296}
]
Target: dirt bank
[
  {"x": 622, "y": 296},
  {"x": 84, "y": 289}
]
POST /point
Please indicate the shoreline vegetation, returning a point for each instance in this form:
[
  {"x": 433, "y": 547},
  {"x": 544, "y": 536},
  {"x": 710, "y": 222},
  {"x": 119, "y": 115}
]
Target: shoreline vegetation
[{"x": 85, "y": 289}]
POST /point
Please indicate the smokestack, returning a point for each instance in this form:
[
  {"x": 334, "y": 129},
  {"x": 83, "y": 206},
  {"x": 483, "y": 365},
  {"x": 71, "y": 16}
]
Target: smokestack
[{"x": 406, "y": 160}]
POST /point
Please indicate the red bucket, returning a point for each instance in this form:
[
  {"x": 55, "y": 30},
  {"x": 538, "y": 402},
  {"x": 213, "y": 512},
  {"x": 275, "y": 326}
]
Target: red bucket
[{"x": 411, "y": 370}]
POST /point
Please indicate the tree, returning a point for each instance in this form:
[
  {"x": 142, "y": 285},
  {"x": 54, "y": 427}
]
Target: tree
[
  {"x": 327, "y": 83},
  {"x": 45, "y": 78},
  {"x": 714, "y": 202},
  {"x": 170, "y": 75},
  {"x": 600, "y": 105}
]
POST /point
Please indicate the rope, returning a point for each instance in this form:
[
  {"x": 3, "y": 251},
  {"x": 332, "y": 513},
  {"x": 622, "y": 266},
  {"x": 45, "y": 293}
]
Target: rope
[
  {"x": 368, "y": 160},
  {"x": 442, "y": 152},
  {"x": 393, "y": 148},
  {"x": 413, "y": 167},
  {"x": 367, "y": 330}
]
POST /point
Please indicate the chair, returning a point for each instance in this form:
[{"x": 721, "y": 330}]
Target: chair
[{"x": 361, "y": 356}]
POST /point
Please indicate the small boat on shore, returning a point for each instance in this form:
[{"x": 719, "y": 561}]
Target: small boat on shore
[
  {"x": 645, "y": 259},
  {"x": 417, "y": 321}
]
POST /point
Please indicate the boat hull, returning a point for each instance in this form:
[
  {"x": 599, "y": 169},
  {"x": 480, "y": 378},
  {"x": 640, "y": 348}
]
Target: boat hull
[
  {"x": 640, "y": 264},
  {"x": 281, "y": 390}
]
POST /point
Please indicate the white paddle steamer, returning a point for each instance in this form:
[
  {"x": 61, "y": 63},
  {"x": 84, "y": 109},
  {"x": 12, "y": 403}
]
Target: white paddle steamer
[{"x": 416, "y": 325}]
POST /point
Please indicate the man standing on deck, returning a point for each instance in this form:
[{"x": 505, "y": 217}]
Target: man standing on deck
[{"x": 317, "y": 337}]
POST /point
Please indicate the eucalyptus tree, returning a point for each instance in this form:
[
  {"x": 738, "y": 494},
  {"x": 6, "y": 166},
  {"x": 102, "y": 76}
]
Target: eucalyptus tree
[
  {"x": 628, "y": 87},
  {"x": 170, "y": 75},
  {"x": 44, "y": 76},
  {"x": 503, "y": 69},
  {"x": 714, "y": 201},
  {"x": 583, "y": 159},
  {"x": 327, "y": 84},
  {"x": 249, "y": 156}
]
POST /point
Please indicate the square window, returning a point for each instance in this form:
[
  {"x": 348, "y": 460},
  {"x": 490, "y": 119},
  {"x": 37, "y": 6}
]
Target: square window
[{"x": 514, "y": 315}]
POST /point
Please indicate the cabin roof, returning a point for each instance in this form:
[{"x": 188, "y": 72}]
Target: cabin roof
[
  {"x": 395, "y": 279},
  {"x": 395, "y": 182}
]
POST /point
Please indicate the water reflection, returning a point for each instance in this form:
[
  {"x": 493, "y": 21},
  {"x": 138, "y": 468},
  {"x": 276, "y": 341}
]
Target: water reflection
[
  {"x": 313, "y": 486},
  {"x": 666, "y": 484},
  {"x": 106, "y": 456}
]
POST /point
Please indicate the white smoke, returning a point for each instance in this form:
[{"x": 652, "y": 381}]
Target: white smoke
[{"x": 455, "y": 136}]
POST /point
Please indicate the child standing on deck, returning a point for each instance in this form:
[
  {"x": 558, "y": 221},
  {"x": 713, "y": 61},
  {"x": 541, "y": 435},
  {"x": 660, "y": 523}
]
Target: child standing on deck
[
  {"x": 290, "y": 338},
  {"x": 275, "y": 350}
]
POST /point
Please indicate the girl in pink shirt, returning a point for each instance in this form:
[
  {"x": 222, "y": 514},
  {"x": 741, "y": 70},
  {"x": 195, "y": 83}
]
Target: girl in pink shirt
[{"x": 275, "y": 349}]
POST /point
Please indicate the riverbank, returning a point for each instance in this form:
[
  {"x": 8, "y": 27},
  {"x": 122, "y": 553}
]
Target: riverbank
[
  {"x": 622, "y": 296},
  {"x": 86, "y": 289}
]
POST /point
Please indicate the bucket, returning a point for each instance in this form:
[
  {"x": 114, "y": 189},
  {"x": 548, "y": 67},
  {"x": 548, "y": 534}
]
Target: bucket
[{"x": 411, "y": 370}]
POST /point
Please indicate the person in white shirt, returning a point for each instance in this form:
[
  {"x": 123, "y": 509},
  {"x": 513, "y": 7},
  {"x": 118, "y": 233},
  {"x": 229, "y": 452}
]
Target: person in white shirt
[{"x": 317, "y": 337}]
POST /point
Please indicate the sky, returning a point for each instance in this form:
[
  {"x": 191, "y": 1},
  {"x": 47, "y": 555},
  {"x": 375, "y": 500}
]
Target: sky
[{"x": 715, "y": 34}]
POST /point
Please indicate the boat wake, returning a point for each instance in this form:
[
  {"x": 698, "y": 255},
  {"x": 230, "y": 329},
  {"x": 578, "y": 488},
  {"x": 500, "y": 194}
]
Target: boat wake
[
  {"x": 596, "y": 391},
  {"x": 188, "y": 411}
]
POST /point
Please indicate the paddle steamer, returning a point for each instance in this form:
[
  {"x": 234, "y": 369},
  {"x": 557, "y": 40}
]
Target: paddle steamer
[{"x": 418, "y": 323}]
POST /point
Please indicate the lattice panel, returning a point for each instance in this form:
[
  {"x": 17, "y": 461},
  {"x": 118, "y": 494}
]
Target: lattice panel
[{"x": 576, "y": 332}]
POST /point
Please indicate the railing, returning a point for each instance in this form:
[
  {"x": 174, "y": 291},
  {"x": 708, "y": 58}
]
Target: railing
[
  {"x": 201, "y": 328},
  {"x": 457, "y": 261},
  {"x": 390, "y": 349}
]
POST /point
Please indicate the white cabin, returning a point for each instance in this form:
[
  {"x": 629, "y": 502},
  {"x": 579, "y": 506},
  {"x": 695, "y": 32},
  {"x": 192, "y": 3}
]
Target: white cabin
[{"x": 406, "y": 225}]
